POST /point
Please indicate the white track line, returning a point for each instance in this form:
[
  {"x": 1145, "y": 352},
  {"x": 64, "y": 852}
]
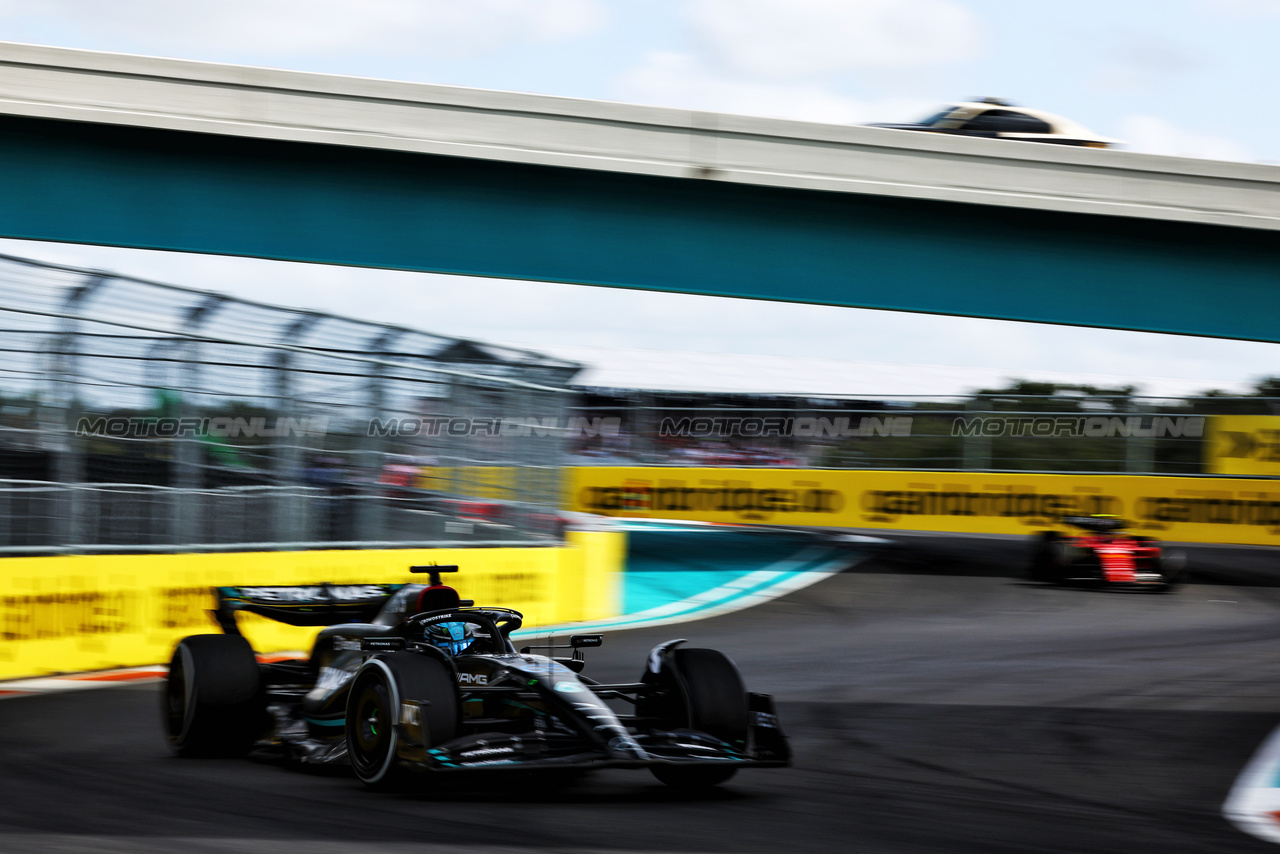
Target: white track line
[{"x": 792, "y": 579}]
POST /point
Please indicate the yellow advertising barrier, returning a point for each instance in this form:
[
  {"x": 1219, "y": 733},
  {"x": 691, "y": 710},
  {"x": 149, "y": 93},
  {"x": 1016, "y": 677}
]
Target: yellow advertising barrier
[
  {"x": 494, "y": 482},
  {"x": 90, "y": 612},
  {"x": 1180, "y": 509},
  {"x": 1243, "y": 445}
]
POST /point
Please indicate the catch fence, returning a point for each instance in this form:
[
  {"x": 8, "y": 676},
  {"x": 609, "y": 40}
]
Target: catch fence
[
  {"x": 1067, "y": 432},
  {"x": 139, "y": 416}
]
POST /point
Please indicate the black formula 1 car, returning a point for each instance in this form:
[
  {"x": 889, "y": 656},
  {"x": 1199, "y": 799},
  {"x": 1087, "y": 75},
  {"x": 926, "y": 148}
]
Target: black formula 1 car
[
  {"x": 409, "y": 682},
  {"x": 1104, "y": 553}
]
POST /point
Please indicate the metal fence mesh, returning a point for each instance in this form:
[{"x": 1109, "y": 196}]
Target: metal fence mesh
[
  {"x": 1071, "y": 432},
  {"x": 139, "y": 415},
  {"x": 142, "y": 416}
]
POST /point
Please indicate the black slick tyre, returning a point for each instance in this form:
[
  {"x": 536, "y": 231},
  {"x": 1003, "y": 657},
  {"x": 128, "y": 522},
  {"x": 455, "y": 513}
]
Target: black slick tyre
[
  {"x": 1172, "y": 566},
  {"x": 1045, "y": 557},
  {"x": 694, "y": 777},
  {"x": 709, "y": 697},
  {"x": 374, "y": 707},
  {"x": 213, "y": 703}
]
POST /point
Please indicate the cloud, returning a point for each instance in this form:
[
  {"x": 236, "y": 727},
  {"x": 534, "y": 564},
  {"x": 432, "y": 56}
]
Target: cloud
[
  {"x": 682, "y": 81},
  {"x": 310, "y": 27},
  {"x": 1242, "y": 8},
  {"x": 797, "y": 38},
  {"x": 1153, "y": 135},
  {"x": 1137, "y": 63},
  {"x": 1155, "y": 55}
]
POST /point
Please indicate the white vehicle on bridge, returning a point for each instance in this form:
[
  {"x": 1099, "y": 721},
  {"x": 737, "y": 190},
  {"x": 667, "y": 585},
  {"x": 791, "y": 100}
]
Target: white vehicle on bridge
[{"x": 996, "y": 118}]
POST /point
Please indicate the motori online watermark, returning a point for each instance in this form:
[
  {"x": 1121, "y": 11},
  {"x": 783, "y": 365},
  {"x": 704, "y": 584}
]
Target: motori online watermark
[
  {"x": 218, "y": 426},
  {"x": 578, "y": 427},
  {"x": 1081, "y": 426},
  {"x": 720, "y": 427}
]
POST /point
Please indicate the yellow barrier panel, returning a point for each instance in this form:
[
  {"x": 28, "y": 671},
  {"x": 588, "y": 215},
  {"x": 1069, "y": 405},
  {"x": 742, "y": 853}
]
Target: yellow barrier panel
[
  {"x": 494, "y": 482},
  {"x": 1180, "y": 509},
  {"x": 89, "y": 612},
  {"x": 1243, "y": 444}
]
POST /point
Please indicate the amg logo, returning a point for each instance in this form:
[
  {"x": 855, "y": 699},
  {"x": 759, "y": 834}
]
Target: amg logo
[{"x": 473, "y": 679}]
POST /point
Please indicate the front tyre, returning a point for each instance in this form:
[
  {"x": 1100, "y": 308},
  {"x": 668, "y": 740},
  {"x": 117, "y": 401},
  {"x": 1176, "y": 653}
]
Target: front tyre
[
  {"x": 693, "y": 777},
  {"x": 1173, "y": 569},
  {"x": 1171, "y": 565},
  {"x": 704, "y": 692},
  {"x": 374, "y": 708},
  {"x": 213, "y": 702}
]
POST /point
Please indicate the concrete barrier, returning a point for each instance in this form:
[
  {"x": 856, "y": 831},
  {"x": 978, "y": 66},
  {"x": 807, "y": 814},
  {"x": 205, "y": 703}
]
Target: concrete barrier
[
  {"x": 91, "y": 612},
  {"x": 1180, "y": 509}
]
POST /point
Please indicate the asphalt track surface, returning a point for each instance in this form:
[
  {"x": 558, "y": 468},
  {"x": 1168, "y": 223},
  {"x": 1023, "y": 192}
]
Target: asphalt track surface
[{"x": 936, "y": 703}]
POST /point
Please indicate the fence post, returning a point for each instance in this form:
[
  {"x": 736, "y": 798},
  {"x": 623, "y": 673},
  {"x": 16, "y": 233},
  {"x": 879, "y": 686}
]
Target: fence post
[
  {"x": 68, "y": 456},
  {"x": 977, "y": 446},
  {"x": 1140, "y": 451},
  {"x": 371, "y": 512},
  {"x": 646, "y": 428},
  {"x": 188, "y": 462},
  {"x": 289, "y": 522}
]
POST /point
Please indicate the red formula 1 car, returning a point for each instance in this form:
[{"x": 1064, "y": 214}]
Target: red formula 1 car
[{"x": 1104, "y": 553}]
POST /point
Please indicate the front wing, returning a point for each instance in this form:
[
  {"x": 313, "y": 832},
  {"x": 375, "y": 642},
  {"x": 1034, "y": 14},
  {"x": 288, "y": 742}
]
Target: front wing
[{"x": 766, "y": 747}]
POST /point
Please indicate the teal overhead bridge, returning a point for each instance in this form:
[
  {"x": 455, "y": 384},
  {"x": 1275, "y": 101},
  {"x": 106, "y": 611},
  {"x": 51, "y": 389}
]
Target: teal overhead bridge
[{"x": 166, "y": 154}]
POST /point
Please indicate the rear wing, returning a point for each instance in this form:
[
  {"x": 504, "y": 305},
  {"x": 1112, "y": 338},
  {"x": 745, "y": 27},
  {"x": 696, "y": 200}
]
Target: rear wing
[{"x": 304, "y": 604}]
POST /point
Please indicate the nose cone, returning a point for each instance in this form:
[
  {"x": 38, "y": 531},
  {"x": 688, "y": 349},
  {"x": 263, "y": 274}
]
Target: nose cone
[
  {"x": 625, "y": 747},
  {"x": 591, "y": 710}
]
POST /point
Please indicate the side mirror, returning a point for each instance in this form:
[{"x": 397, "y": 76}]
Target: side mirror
[{"x": 585, "y": 641}]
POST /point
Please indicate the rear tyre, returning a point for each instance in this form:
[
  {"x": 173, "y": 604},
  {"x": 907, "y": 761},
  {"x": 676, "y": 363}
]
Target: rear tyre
[
  {"x": 374, "y": 709},
  {"x": 213, "y": 702},
  {"x": 706, "y": 693}
]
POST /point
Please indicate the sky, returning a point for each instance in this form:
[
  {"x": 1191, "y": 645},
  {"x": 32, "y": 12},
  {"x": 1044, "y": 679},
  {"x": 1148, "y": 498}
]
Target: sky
[{"x": 1183, "y": 77}]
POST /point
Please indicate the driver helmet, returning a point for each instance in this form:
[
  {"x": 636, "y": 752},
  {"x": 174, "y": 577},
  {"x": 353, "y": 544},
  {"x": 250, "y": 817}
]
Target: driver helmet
[
  {"x": 452, "y": 637},
  {"x": 1114, "y": 524}
]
